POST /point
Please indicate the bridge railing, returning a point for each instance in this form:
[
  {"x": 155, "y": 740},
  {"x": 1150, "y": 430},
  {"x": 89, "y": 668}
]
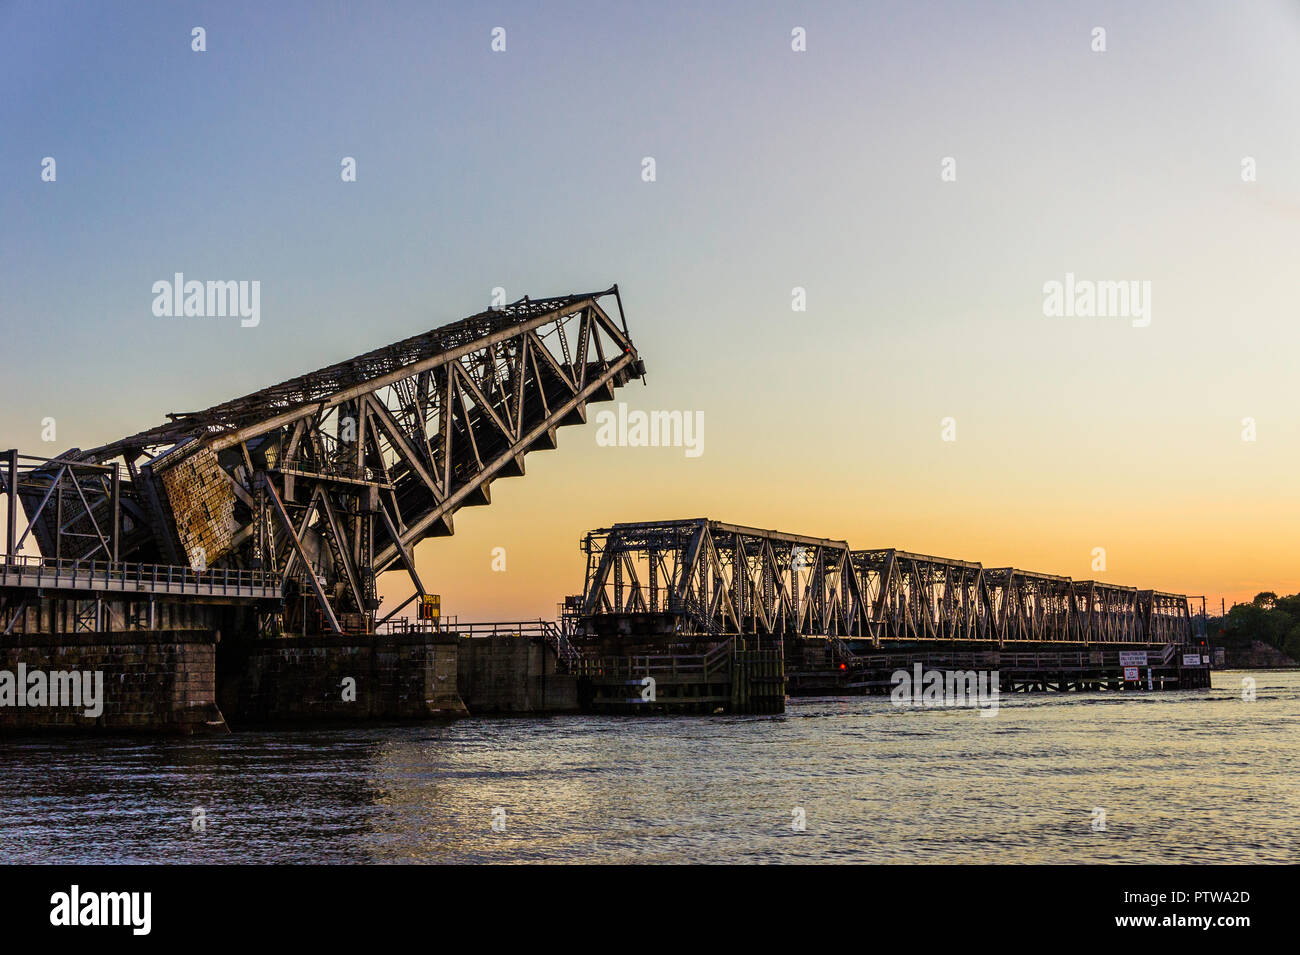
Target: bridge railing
[
  {"x": 25, "y": 570},
  {"x": 409, "y": 625},
  {"x": 539, "y": 629},
  {"x": 697, "y": 666},
  {"x": 492, "y": 628}
]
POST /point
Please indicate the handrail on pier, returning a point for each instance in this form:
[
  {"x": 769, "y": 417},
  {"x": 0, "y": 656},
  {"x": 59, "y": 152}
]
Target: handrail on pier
[
  {"x": 545, "y": 630},
  {"x": 26, "y": 570}
]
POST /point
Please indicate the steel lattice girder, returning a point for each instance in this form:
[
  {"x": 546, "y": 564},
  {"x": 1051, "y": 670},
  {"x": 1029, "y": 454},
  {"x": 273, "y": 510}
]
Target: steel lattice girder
[
  {"x": 706, "y": 577},
  {"x": 1163, "y": 618},
  {"x": 70, "y": 504},
  {"x": 1029, "y": 607},
  {"x": 332, "y": 477},
  {"x": 1104, "y": 613},
  {"x": 917, "y": 597}
]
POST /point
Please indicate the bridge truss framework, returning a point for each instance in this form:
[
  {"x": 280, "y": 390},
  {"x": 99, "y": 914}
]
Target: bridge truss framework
[
  {"x": 705, "y": 577},
  {"x": 328, "y": 479}
]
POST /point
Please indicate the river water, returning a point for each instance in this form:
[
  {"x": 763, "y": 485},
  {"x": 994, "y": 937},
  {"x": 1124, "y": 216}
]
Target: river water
[{"x": 1194, "y": 776}]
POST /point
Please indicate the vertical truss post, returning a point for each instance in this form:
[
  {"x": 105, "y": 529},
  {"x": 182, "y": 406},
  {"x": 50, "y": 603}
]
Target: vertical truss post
[
  {"x": 115, "y": 512},
  {"x": 321, "y": 599},
  {"x": 11, "y": 517}
]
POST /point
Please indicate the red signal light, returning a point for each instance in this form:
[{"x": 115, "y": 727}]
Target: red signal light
[{"x": 843, "y": 667}]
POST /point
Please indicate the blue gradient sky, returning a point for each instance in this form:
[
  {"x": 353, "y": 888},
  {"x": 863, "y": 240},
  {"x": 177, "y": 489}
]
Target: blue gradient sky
[{"x": 775, "y": 169}]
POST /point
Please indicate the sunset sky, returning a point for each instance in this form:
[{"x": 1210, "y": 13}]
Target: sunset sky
[{"x": 775, "y": 169}]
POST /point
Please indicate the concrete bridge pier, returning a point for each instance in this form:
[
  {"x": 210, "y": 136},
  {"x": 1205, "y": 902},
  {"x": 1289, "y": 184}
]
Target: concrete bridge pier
[{"x": 156, "y": 682}]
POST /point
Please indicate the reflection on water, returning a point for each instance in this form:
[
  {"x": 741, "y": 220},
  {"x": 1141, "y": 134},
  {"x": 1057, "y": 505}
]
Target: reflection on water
[{"x": 1199, "y": 776}]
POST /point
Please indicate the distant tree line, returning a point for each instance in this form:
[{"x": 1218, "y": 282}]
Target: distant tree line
[{"x": 1272, "y": 619}]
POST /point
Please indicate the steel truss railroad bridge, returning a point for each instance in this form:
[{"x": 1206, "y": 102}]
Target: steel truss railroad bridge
[
  {"x": 713, "y": 580},
  {"x": 307, "y": 490}
]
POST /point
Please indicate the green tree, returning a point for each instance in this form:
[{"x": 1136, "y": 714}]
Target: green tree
[{"x": 1269, "y": 618}]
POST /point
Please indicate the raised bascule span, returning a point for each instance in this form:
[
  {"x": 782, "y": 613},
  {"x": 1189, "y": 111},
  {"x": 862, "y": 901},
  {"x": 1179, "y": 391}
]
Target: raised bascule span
[
  {"x": 318, "y": 484},
  {"x": 713, "y": 580}
]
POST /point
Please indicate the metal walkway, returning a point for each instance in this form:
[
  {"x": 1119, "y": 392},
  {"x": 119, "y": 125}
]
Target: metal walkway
[{"x": 34, "y": 573}]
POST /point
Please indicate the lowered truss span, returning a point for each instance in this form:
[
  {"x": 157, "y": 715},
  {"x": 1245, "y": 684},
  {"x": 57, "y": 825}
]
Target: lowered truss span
[
  {"x": 708, "y": 578},
  {"x": 328, "y": 479}
]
